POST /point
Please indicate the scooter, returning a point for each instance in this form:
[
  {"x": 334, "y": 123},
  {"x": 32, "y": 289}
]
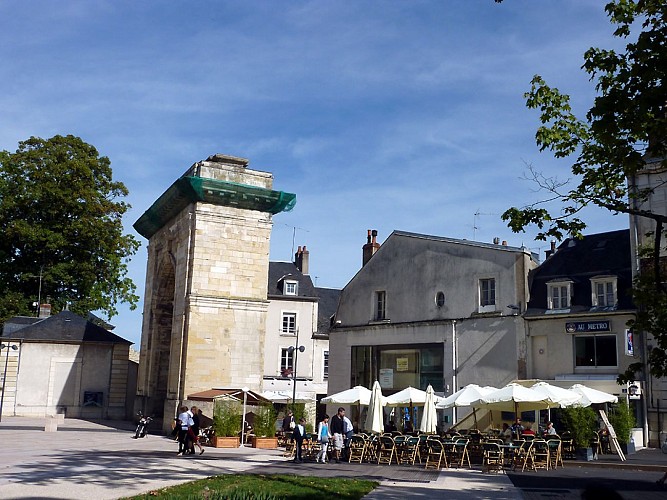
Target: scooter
[{"x": 141, "y": 430}]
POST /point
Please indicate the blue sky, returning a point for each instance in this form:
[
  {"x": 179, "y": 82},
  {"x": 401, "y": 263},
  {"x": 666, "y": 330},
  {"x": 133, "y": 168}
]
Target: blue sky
[{"x": 378, "y": 114}]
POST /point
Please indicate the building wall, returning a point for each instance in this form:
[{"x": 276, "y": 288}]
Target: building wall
[
  {"x": 54, "y": 378},
  {"x": 557, "y": 358}
]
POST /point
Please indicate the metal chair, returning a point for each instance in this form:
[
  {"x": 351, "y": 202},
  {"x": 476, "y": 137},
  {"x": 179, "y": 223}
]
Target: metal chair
[{"x": 523, "y": 457}]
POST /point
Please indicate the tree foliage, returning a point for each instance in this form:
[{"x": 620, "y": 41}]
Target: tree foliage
[
  {"x": 623, "y": 130},
  {"x": 61, "y": 221}
]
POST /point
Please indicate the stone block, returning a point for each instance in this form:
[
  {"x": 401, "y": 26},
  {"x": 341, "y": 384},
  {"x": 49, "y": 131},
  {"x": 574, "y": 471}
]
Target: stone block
[{"x": 51, "y": 424}]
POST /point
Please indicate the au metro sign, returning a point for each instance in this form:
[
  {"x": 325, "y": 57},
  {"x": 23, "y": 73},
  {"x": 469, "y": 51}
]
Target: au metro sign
[{"x": 587, "y": 326}]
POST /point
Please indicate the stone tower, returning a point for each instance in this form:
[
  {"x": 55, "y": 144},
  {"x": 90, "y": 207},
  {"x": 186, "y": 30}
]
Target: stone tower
[{"x": 205, "y": 300}]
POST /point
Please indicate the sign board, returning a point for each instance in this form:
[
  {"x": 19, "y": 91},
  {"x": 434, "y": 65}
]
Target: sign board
[
  {"x": 587, "y": 326},
  {"x": 402, "y": 364},
  {"x": 612, "y": 435},
  {"x": 629, "y": 343},
  {"x": 386, "y": 378}
]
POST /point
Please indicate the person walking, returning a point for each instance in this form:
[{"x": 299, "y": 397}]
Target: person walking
[
  {"x": 193, "y": 431},
  {"x": 348, "y": 432},
  {"x": 323, "y": 436},
  {"x": 184, "y": 423},
  {"x": 288, "y": 422},
  {"x": 298, "y": 435},
  {"x": 338, "y": 430}
]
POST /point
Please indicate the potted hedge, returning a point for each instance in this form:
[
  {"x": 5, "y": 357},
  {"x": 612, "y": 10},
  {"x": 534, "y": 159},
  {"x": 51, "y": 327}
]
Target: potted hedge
[
  {"x": 265, "y": 428},
  {"x": 622, "y": 420},
  {"x": 227, "y": 423},
  {"x": 582, "y": 425}
]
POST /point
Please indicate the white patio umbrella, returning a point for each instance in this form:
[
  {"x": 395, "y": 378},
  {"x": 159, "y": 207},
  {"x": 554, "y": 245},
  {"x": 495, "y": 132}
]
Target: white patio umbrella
[
  {"x": 358, "y": 395},
  {"x": 591, "y": 396},
  {"x": 563, "y": 397},
  {"x": 375, "y": 417},
  {"x": 410, "y": 397},
  {"x": 429, "y": 416},
  {"x": 465, "y": 396},
  {"x": 516, "y": 398}
]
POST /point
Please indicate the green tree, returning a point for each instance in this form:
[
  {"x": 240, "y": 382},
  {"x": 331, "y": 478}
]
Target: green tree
[
  {"x": 624, "y": 129},
  {"x": 61, "y": 221}
]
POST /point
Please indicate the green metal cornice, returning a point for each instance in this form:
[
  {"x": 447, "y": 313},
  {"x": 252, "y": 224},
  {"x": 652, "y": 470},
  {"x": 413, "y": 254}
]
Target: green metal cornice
[{"x": 190, "y": 189}]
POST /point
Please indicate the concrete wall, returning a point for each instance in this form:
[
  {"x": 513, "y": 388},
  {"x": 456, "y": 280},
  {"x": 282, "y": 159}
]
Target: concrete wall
[{"x": 53, "y": 378}]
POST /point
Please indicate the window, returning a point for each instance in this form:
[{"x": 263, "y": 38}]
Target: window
[
  {"x": 286, "y": 362},
  {"x": 487, "y": 295},
  {"x": 559, "y": 295},
  {"x": 380, "y": 305},
  {"x": 325, "y": 364},
  {"x": 290, "y": 288},
  {"x": 595, "y": 351},
  {"x": 604, "y": 291},
  {"x": 289, "y": 323}
]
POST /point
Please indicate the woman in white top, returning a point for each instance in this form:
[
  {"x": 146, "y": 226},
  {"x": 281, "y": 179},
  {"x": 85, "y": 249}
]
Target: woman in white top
[{"x": 323, "y": 436}]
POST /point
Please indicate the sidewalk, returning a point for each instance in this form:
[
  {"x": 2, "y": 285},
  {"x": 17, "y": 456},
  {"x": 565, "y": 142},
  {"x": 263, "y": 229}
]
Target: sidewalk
[{"x": 85, "y": 460}]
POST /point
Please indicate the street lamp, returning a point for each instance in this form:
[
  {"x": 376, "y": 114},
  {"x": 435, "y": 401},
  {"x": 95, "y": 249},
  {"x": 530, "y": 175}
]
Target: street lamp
[
  {"x": 293, "y": 349},
  {"x": 14, "y": 347}
]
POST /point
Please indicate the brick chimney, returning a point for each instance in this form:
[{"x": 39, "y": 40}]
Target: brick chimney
[
  {"x": 301, "y": 259},
  {"x": 552, "y": 250},
  {"x": 371, "y": 246},
  {"x": 44, "y": 310}
]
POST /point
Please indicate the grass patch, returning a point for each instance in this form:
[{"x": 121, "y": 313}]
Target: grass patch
[{"x": 266, "y": 487}]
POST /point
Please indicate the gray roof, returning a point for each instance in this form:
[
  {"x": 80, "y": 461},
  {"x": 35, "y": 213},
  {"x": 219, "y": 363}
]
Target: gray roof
[
  {"x": 62, "y": 327},
  {"x": 327, "y": 305},
  {"x": 280, "y": 271}
]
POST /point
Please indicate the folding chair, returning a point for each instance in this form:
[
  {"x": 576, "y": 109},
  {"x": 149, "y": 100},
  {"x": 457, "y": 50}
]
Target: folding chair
[
  {"x": 524, "y": 457},
  {"x": 493, "y": 457},
  {"x": 459, "y": 453},
  {"x": 409, "y": 451},
  {"x": 357, "y": 446},
  {"x": 555, "y": 455},
  {"x": 540, "y": 454},
  {"x": 435, "y": 456},
  {"x": 290, "y": 446},
  {"x": 387, "y": 451}
]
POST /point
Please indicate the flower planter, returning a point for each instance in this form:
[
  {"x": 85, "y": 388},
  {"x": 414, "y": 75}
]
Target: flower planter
[
  {"x": 226, "y": 442},
  {"x": 585, "y": 454},
  {"x": 265, "y": 443}
]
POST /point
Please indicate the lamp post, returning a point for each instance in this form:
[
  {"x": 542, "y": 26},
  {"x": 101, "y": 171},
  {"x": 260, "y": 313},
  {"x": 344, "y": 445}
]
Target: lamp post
[
  {"x": 293, "y": 349},
  {"x": 13, "y": 347}
]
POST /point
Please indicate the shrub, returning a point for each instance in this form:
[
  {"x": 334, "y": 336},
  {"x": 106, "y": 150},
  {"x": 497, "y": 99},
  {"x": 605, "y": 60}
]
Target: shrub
[
  {"x": 227, "y": 418},
  {"x": 582, "y": 424},
  {"x": 622, "y": 419},
  {"x": 265, "y": 421}
]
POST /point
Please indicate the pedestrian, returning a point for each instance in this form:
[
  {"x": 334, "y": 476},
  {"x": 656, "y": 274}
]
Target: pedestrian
[
  {"x": 193, "y": 432},
  {"x": 349, "y": 431},
  {"x": 338, "y": 430},
  {"x": 288, "y": 422},
  {"x": 323, "y": 436},
  {"x": 184, "y": 423},
  {"x": 298, "y": 435}
]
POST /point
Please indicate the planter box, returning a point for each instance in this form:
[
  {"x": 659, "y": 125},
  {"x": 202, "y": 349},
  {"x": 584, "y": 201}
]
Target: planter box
[
  {"x": 265, "y": 443},
  {"x": 226, "y": 442},
  {"x": 585, "y": 454}
]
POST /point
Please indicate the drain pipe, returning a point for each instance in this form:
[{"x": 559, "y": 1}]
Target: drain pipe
[{"x": 455, "y": 367}]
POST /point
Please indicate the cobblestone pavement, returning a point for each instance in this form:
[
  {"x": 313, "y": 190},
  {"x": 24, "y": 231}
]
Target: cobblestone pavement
[{"x": 88, "y": 460}]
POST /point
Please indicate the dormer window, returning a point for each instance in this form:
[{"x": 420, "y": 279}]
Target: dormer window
[
  {"x": 604, "y": 291},
  {"x": 290, "y": 287},
  {"x": 559, "y": 295}
]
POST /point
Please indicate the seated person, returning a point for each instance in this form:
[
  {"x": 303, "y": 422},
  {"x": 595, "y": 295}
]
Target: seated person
[
  {"x": 506, "y": 433},
  {"x": 517, "y": 428},
  {"x": 528, "y": 431},
  {"x": 550, "y": 430}
]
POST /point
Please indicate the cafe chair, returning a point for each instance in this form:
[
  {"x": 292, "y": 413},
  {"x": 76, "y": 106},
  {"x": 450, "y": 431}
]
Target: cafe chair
[{"x": 493, "y": 457}]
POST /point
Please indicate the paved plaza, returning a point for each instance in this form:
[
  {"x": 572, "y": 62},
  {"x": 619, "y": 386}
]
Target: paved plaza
[{"x": 86, "y": 460}]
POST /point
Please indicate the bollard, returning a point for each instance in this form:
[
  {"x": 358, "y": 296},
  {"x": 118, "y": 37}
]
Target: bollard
[
  {"x": 51, "y": 425},
  {"x": 60, "y": 418}
]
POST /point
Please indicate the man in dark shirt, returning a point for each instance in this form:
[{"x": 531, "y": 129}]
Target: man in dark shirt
[
  {"x": 288, "y": 422},
  {"x": 338, "y": 431}
]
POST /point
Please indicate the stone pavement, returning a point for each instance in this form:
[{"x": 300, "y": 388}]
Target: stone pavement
[{"x": 88, "y": 460}]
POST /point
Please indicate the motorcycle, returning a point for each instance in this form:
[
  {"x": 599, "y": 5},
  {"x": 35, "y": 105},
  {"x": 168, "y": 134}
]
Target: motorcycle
[{"x": 142, "y": 426}]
